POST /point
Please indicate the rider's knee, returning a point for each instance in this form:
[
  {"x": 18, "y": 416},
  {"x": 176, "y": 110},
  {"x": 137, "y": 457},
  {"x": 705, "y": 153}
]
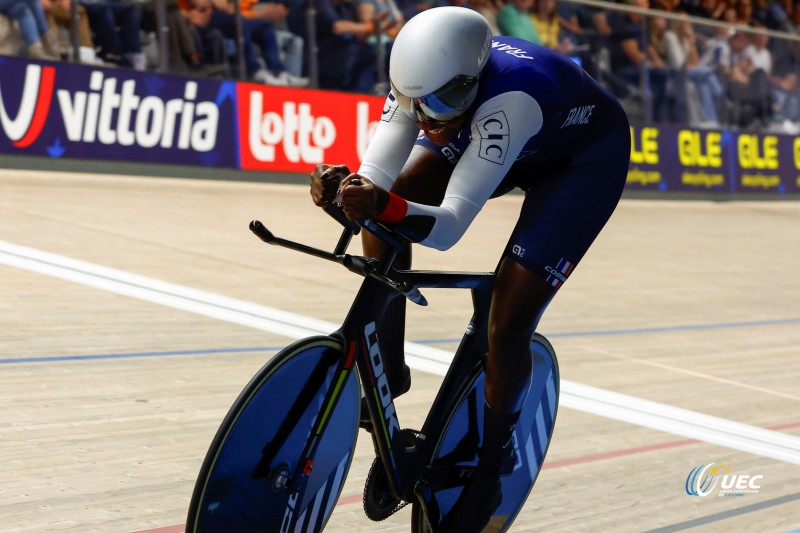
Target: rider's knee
[{"x": 510, "y": 336}]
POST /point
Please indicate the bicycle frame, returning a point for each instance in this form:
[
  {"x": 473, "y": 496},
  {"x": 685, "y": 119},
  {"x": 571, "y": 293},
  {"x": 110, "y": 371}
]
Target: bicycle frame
[{"x": 405, "y": 467}]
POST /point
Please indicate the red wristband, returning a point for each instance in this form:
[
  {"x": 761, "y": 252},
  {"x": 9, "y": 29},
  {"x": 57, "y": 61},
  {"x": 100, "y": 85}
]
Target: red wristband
[{"x": 395, "y": 209}]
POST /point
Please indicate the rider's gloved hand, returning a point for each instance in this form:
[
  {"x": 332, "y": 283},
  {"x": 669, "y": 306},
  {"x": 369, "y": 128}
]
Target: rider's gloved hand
[
  {"x": 361, "y": 199},
  {"x": 325, "y": 182}
]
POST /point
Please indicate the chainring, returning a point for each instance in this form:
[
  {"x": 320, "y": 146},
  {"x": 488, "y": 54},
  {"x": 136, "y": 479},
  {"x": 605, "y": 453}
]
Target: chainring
[{"x": 379, "y": 503}]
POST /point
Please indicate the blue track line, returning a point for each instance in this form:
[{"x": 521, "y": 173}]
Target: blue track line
[{"x": 639, "y": 331}]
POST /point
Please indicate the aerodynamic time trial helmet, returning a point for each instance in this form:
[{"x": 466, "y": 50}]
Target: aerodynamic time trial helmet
[{"x": 436, "y": 59}]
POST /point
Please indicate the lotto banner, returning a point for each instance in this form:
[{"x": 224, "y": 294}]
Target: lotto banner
[
  {"x": 291, "y": 130},
  {"x": 62, "y": 110},
  {"x": 669, "y": 158}
]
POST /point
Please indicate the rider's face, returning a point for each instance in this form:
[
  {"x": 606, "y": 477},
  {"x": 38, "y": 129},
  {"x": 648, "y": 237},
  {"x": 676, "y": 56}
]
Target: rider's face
[{"x": 440, "y": 133}]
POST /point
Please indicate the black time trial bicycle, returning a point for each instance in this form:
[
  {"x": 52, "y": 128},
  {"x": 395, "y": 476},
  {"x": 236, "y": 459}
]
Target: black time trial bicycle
[{"x": 281, "y": 455}]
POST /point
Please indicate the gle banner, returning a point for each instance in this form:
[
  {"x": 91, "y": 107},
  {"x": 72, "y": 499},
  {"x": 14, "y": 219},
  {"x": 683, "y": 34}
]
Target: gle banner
[{"x": 671, "y": 158}]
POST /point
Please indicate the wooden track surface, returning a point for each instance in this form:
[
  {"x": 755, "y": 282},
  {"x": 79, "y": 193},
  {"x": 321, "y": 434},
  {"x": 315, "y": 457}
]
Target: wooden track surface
[{"x": 110, "y": 401}]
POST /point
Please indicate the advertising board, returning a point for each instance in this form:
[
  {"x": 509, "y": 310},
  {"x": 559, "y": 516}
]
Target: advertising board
[{"x": 61, "y": 110}]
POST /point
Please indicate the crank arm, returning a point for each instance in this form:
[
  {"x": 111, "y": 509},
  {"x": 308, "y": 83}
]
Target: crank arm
[{"x": 430, "y": 507}]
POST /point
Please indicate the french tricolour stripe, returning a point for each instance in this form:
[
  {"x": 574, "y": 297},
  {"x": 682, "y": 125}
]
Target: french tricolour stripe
[{"x": 564, "y": 267}]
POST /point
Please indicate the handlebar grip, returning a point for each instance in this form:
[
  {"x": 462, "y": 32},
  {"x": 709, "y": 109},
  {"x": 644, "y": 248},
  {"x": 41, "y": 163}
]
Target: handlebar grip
[
  {"x": 261, "y": 231},
  {"x": 339, "y": 216}
]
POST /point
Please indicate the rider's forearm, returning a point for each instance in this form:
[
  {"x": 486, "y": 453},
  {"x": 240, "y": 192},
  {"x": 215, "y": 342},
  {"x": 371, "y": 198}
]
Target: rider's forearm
[{"x": 389, "y": 147}]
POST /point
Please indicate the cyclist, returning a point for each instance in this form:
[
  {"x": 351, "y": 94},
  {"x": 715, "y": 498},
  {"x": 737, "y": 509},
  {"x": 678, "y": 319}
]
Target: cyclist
[{"x": 468, "y": 118}]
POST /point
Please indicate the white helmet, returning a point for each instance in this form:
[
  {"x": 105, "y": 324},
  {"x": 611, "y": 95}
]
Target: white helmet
[{"x": 436, "y": 59}]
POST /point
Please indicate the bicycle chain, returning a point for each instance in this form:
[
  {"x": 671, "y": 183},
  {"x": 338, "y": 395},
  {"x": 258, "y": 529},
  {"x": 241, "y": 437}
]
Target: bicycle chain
[{"x": 377, "y": 486}]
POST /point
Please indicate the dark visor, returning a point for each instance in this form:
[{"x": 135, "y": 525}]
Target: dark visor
[{"x": 440, "y": 103}]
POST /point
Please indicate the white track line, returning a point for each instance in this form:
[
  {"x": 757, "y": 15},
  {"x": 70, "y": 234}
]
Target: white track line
[{"x": 683, "y": 422}]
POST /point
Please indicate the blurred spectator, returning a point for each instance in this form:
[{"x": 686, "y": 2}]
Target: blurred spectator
[
  {"x": 744, "y": 11},
  {"x": 346, "y": 60},
  {"x": 59, "y": 18},
  {"x": 259, "y": 37},
  {"x": 183, "y": 53},
  {"x": 291, "y": 48},
  {"x": 794, "y": 16},
  {"x": 596, "y": 31},
  {"x": 576, "y": 24},
  {"x": 712, "y": 66},
  {"x": 748, "y": 90},
  {"x": 681, "y": 45},
  {"x": 713, "y": 9},
  {"x": 409, "y": 8},
  {"x": 570, "y": 15},
  {"x": 32, "y": 23},
  {"x": 548, "y": 26},
  {"x": 489, "y": 9},
  {"x": 514, "y": 20},
  {"x": 11, "y": 43},
  {"x": 629, "y": 60},
  {"x": 759, "y": 12},
  {"x": 692, "y": 7},
  {"x": 600, "y": 22},
  {"x": 681, "y": 57},
  {"x": 116, "y": 26},
  {"x": 194, "y": 47},
  {"x": 658, "y": 61},
  {"x": 390, "y": 20},
  {"x": 656, "y": 41},
  {"x": 778, "y": 16},
  {"x": 786, "y": 87},
  {"x": 275, "y": 13},
  {"x": 209, "y": 43},
  {"x": 759, "y": 53},
  {"x": 710, "y": 9},
  {"x": 665, "y": 5}
]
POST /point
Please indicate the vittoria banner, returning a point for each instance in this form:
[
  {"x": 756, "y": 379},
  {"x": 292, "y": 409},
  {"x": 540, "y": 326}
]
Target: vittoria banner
[{"x": 62, "y": 110}]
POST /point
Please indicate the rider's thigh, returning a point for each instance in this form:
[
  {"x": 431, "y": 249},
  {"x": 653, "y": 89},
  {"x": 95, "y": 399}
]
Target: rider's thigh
[
  {"x": 424, "y": 177},
  {"x": 518, "y": 302},
  {"x": 566, "y": 208}
]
